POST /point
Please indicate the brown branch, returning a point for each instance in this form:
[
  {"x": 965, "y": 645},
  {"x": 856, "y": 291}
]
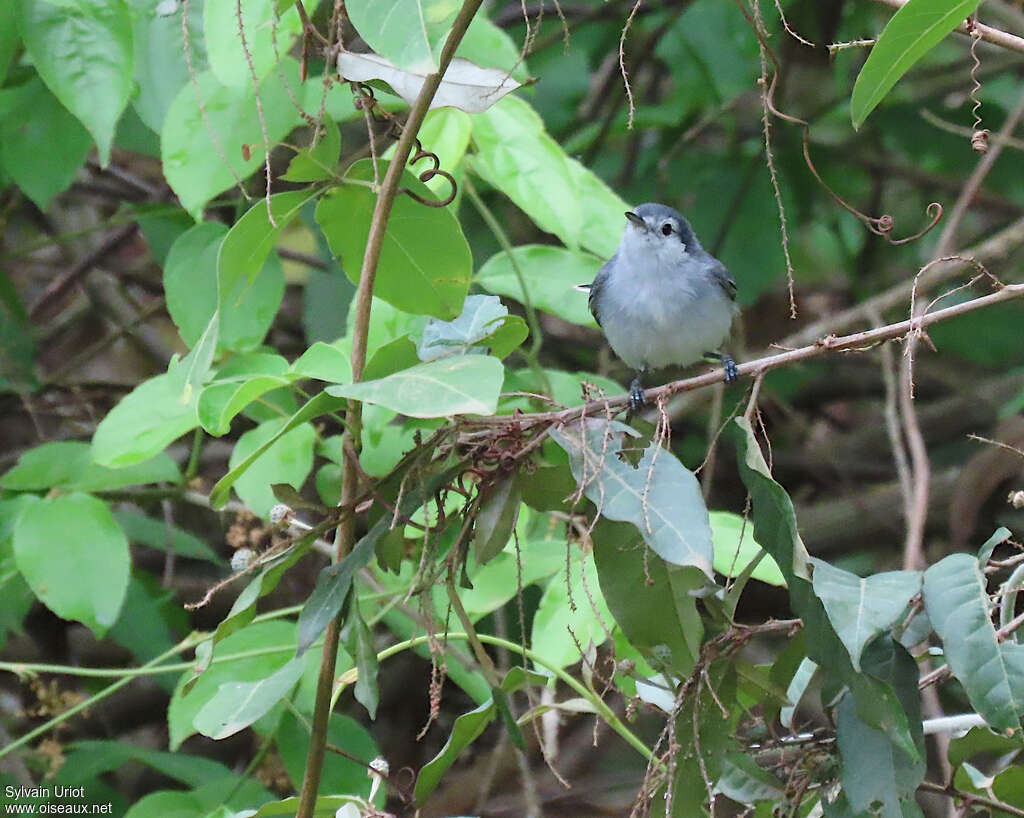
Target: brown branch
[
  {"x": 345, "y": 535},
  {"x": 971, "y": 798},
  {"x": 995, "y": 247},
  {"x": 43, "y": 308},
  {"x": 857, "y": 341},
  {"x": 990, "y": 35},
  {"x": 974, "y": 182}
]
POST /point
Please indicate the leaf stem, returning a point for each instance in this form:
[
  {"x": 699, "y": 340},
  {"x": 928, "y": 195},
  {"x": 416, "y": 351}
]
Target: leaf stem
[
  {"x": 189, "y": 641},
  {"x": 603, "y": 710}
]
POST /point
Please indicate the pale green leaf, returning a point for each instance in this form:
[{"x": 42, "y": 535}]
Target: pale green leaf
[{"x": 463, "y": 385}]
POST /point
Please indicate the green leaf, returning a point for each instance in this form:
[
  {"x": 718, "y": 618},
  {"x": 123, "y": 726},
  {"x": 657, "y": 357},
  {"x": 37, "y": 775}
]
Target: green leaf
[
  {"x": 874, "y": 769},
  {"x": 410, "y": 34},
  {"x": 139, "y": 528},
  {"x": 746, "y": 783},
  {"x": 650, "y": 599},
  {"x": 31, "y": 116},
  {"x": 154, "y": 414},
  {"x": 982, "y": 740},
  {"x": 999, "y": 536},
  {"x": 913, "y": 31},
  {"x": 67, "y": 464},
  {"x": 735, "y": 548},
  {"x": 481, "y": 317},
  {"x": 464, "y": 385},
  {"x": 325, "y": 362},
  {"x": 236, "y": 705},
  {"x": 466, "y": 729},
  {"x": 550, "y": 273},
  {"x": 74, "y": 557},
  {"x": 288, "y": 459},
  {"x": 515, "y": 154},
  {"x": 250, "y": 241},
  {"x": 198, "y": 165},
  {"x": 319, "y": 405},
  {"x": 445, "y": 132},
  {"x": 485, "y": 43},
  {"x": 231, "y": 61},
  {"x": 340, "y": 774},
  {"x": 541, "y": 554},
  {"x": 263, "y": 649},
  {"x": 393, "y": 357},
  {"x": 90, "y": 759},
  {"x": 10, "y": 39},
  {"x": 161, "y": 70},
  {"x": 149, "y": 616},
  {"x": 496, "y": 518},
  {"x": 659, "y": 495},
  {"x": 992, "y": 674},
  {"x": 317, "y": 161},
  {"x": 559, "y": 631},
  {"x": 190, "y": 279},
  {"x": 330, "y": 592},
  {"x": 860, "y": 608},
  {"x": 359, "y": 643},
  {"x": 221, "y": 401},
  {"x": 775, "y": 528},
  {"x": 425, "y": 263},
  {"x": 83, "y": 51}
]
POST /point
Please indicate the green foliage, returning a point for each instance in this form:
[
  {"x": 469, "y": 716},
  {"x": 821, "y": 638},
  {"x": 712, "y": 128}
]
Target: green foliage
[
  {"x": 85, "y": 577},
  {"x": 425, "y": 264},
  {"x": 578, "y": 548},
  {"x": 914, "y": 29},
  {"x": 83, "y": 52}
]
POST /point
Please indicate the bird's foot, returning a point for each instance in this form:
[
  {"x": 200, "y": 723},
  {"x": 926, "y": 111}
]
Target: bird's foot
[
  {"x": 637, "y": 401},
  {"x": 732, "y": 371}
]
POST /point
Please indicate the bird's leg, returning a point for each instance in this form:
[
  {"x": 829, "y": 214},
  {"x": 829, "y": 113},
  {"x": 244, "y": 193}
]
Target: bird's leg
[
  {"x": 731, "y": 370},
  {"x": 636, "y": 392}
]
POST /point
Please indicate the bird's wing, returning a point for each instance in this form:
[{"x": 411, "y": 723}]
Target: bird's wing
[
  {"x": 596, "y": 288},
  {"x": 723, "y": 278}
]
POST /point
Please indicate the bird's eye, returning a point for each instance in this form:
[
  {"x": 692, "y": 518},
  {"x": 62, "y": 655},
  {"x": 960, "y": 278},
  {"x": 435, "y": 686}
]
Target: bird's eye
[{"x": 666, "y": 229}]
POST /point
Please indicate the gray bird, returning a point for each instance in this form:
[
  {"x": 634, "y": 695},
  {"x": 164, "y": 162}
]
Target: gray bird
[{"x": 662, "y": 299}]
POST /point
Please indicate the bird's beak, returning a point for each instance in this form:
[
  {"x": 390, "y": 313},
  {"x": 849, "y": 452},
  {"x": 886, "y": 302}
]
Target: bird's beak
[{"x": 639, "y": 222}]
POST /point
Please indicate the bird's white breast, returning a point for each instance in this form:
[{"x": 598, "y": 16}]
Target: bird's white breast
[{"x": 665, "y": 312}]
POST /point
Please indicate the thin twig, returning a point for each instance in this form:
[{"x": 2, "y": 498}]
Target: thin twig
[
  {"x": 990, "y": 35},
  {"x": 974, "y": 182}
]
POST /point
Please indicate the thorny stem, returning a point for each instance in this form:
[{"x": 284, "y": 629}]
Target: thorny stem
[{"x": 345, "y": 535}]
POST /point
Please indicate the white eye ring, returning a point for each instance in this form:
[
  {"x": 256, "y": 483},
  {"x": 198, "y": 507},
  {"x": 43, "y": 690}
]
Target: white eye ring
[{"x": 667, "y": 229}]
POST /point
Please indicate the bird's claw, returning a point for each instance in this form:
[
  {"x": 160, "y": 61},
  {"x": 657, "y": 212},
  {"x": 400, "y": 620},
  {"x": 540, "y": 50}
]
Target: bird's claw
[
  {"x": 732, "y": 372},
  {"x": 637, "y": 401}
]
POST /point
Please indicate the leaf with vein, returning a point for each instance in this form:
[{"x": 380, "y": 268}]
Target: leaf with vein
[
  {"x": 911, "y": 33},
  {"x": 860, "y": 608},
  {"x": 660, "y": 496},
  {"x": 466, "y": 86},
  {"x": 464, "y": 385},
  {"x": 236, "y": 705},
  {"x": 956, "y": 601}
]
